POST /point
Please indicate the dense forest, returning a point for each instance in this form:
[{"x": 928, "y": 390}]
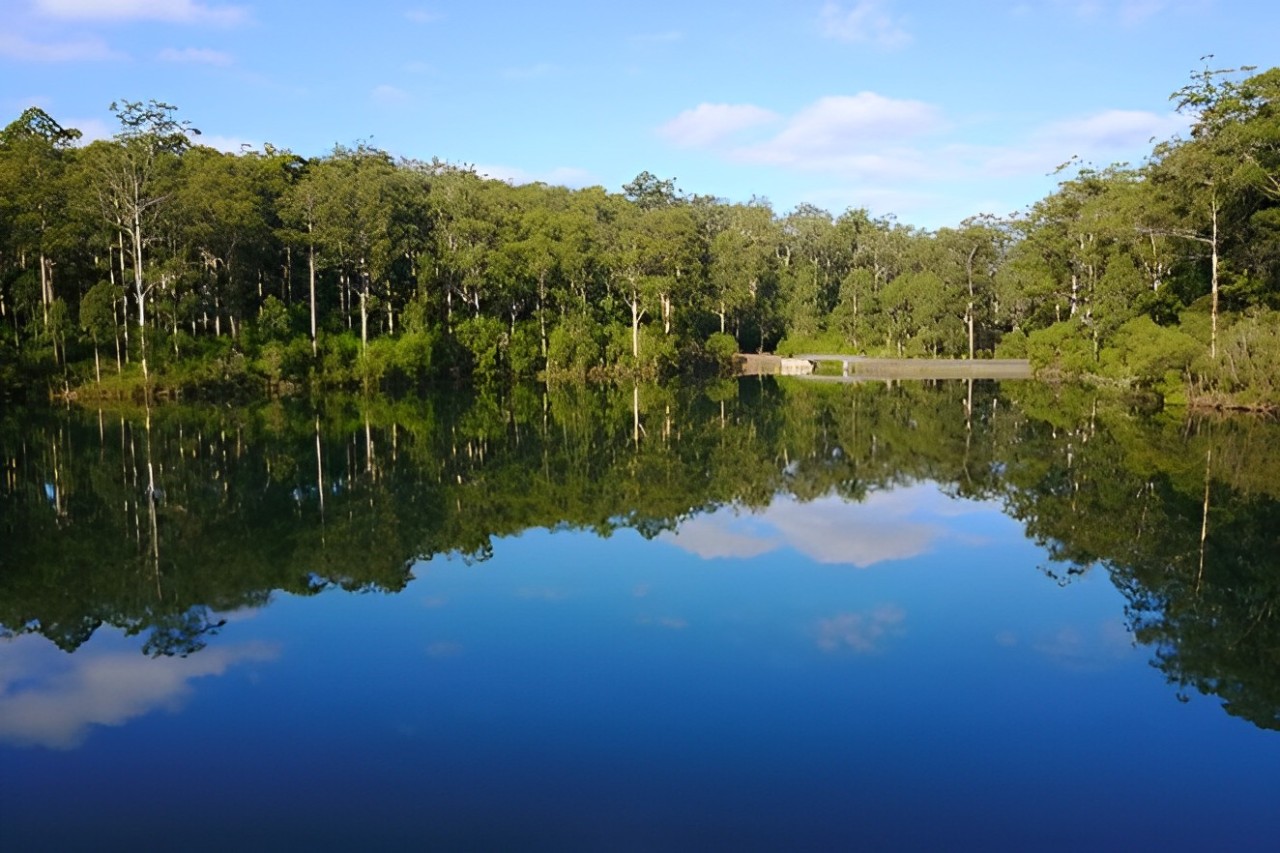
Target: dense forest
[
  {"x": 161, "y": 521},
  {"x": 147, "y": 261}
]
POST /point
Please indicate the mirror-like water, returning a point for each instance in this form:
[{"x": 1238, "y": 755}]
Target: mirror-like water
[{"x": 765, "y": 615}]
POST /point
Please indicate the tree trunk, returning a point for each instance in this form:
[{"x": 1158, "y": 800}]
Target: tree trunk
[
  {"x": 364, "y": 320},
  {"x": 140, "y": 292},
  {"x": 1213, "y": 328},
  {"x": 311, "y": 283},
  {"x": 46, "y": 290},
  {"x": 542, "y": 312}
]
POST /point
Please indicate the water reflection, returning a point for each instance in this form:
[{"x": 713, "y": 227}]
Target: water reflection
[
  {"x": 890, "y": 525},
  {"x": 156, "y": 523},
  {"x": 51, "y": 699}
]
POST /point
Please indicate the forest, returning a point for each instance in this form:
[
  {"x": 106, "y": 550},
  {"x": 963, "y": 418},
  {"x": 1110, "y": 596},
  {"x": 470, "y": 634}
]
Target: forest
[{"x": 149, "y": 264}]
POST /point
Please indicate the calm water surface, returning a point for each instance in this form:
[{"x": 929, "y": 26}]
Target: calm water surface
[{"x": 771, "y": 616}]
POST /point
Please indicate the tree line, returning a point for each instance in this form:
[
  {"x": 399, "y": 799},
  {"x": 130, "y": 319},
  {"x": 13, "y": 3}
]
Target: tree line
[{"x": 150, "y": 260}]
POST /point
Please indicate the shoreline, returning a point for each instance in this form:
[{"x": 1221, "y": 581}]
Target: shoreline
[{"x": 857, "y": 367}]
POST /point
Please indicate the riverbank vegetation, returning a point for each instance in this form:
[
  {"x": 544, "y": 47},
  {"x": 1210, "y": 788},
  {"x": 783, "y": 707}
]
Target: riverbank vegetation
[{"x": 148, "y": 261}]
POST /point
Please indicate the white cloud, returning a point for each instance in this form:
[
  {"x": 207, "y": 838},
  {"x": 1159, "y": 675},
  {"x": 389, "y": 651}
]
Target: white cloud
[
  {"x": 81, "y": 50},
  {"x": 1114, "y": 129},
  {"x": 865, "y": 22},
  {"x": 860, "y": 632},
  {"x": 1100, "y": 138},
  {"x": 48, "y": 698},
  {"x": 716, "y": 536},
  {"x": 863, "y": 134},
  {"x": 878, "y": 530},
  {"x": 564, "y": 176},
  {"x": 389, "y": 96},
  {"x": 887, "y": 526},
  {"x": 168, "y": 11},
  {"x": 707, "y": 124},
  {"x": 197, "y": 55},
  {"x": 1090, "y": 649}
]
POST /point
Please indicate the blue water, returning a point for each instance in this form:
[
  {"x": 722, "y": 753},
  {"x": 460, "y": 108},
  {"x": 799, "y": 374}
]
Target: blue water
[{"x": 894, "y": 674}]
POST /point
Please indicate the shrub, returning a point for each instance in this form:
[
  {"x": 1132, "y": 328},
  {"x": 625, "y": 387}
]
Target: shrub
[
  {"x": 1063, "y": 347},
  {"x": 485, "y": 340},
  {"x": 574, "y": 346}
]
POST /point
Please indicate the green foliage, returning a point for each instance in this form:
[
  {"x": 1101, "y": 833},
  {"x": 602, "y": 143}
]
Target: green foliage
[
  {"x": 1245, "y": 372},
  {"x": 524, "y": 353},
  {"x": 1013, "y": 345},
  {"x": 485, "y": 340},
  {"x": 338, "y": 359},
  {"x": 1151, "y": 355},
  {"x": 575, "y": 346},
  {"x": 825, "y": 342},
  {"x": 720, "y": 349},
  {"x": 1063, "y": 348},
  {"x": 273, "y": 320}
]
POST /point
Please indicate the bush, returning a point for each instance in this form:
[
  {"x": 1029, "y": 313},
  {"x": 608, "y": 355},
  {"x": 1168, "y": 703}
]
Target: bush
[
  {"x": 829, "y": 342},
  {"x": 485, "y": 340},
  {"x": 1148, "y": 353},
  {"x": 720, "y": 349},
  {"x": 1247, "y": 369},
  {"x": 1012, "y": 345},
  {"x": 524, "y": 355},
  {"x": 338, "y": 356},
  {"x": 574, "y": 346},
  {"x": 1063, "y": 347}
]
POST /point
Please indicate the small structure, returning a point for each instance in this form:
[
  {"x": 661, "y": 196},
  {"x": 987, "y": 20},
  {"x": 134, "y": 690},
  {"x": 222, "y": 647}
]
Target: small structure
[{"x": 860, "y": 367}]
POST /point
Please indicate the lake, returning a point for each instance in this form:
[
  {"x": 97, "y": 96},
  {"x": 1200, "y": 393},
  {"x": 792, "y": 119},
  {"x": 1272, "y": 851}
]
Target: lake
[{"x": 756, "y": 614}]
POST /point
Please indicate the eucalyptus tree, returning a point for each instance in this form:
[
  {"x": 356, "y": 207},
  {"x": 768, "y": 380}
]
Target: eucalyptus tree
[
  {"x": 299, "y": 209},
  {"x": 1207, "y": 177},
  {"x": 673, "y": 258},
  {"x": 742, "y": 277},
  {"x": 649, "y": 192},
  {"x": 134, "y": 181},
  {"x": 34, "y": 153},
  {"x": 466, "y": 218},
  {"x": 353, "y": 223},
  {"x": 226, "y": 224},
  {"x": 971, "y": 254},
  {"x": 530, "y": 253},
  {"x": 98, "y": 319},
  {"x": 807, "y": 257}
]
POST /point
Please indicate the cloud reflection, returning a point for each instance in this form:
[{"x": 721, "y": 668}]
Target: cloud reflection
[
  {"x": 860, "y": 632},
  {"x": 892, "y": 525},
  {"x": 1084, "y": 648},
  {"x": 49, "y": 698}
]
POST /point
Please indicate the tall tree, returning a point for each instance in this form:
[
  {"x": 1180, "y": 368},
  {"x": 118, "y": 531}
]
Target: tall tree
[{"x": 134, "y": 185}]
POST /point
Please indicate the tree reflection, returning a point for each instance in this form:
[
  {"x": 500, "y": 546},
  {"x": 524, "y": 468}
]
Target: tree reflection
[{"x": 158, "y": 520}]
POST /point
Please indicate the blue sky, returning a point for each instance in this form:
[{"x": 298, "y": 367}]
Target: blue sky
[{"x": 932, "y": 111}]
